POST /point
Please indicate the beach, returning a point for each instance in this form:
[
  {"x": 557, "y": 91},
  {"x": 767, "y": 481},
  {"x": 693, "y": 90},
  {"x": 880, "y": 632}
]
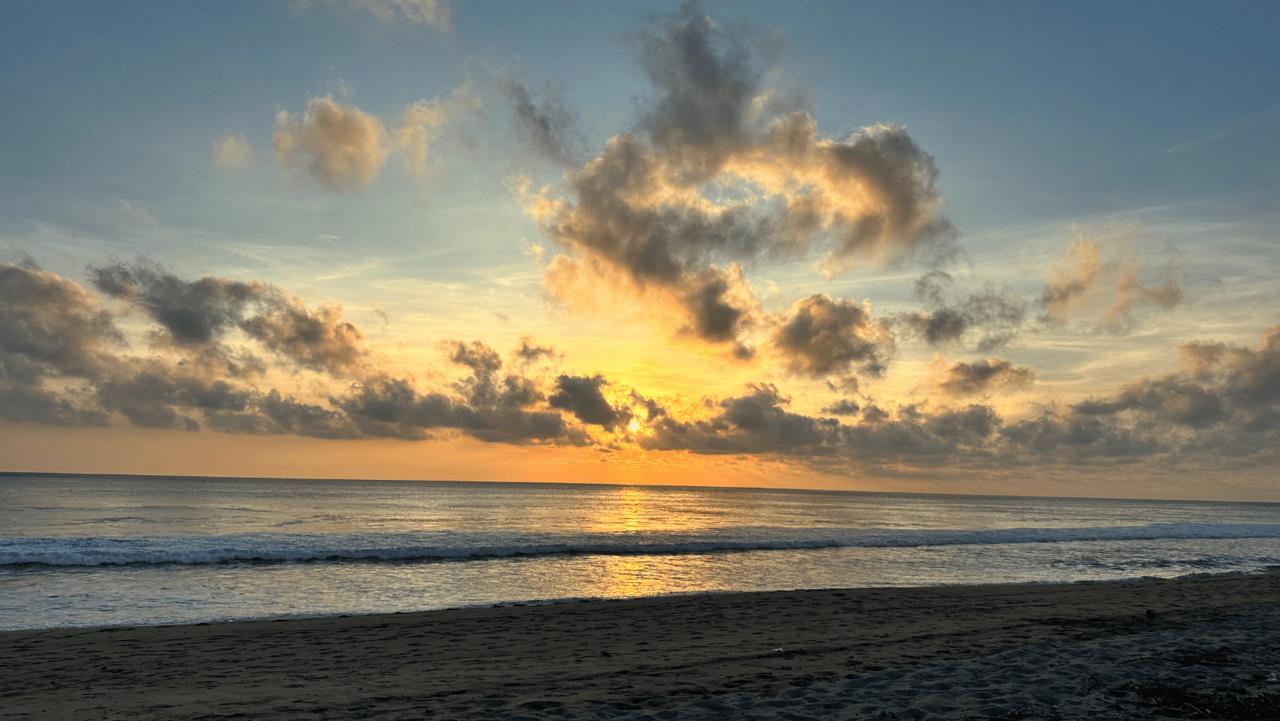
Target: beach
[{"x": 1199, "y": 647}]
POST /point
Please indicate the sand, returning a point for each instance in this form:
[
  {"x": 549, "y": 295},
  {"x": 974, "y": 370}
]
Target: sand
[{"x": 1205, "y": 647}]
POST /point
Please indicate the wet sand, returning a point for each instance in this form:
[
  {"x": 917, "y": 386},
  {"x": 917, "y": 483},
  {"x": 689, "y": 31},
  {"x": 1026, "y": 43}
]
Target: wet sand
[{"x": 1206, "y": 647}]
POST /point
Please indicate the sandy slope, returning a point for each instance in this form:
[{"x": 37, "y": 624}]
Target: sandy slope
[{"x": 1208, "y": 646}]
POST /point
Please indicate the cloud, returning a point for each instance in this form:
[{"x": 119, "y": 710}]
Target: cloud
[
  {"x": 720, "y": 306},
  {"x": 232, "y": 152},
  {"x": 823, "y": 336},
  {"x": 755, "y": 423},
  {"x": 422, "y": 122},
  {"x": 193, "y": 313},
  {"x": 63, "y": 361},
  {"x": 1222, "y": 408},
  {"x": 436, "y": 14},
  {"x": 984, "y": 376},
  {"x": 714, "y": 177},
  {"x": 546, "y": 122},
  {"x": 50, "y": 330},
  {"x": 1100, "y": 277},
  {"x": 320, "y": 340},
  {"x": 994, "y": 315},
  {"x": 582, "y": 396},
  {"x": 50, "y": 326},
  {"x": 22, "y": 403},
  {"x": 1223, "y": 404},
  {"x": 843, "y": 407},
  {"x": 197, "y": 315},
  {"x": 529, "y": 352},
  {"x": 339, "y": 145},
  {"x": 392, "y": 407}
]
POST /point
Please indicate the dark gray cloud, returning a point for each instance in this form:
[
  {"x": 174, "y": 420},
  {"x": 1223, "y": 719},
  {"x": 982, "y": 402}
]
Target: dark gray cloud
[
  {"x": 391, "y": 407},
  {"x": 706, "y": 78},
  {"x": 716, "y": 316},
  {"x": 63, "y": 362},
  {"x": 759, "y": 423},
  {"x": 582, "y": 396},
  {"x": 50, "y": 330},
  {"x": 320, "y": 340},
  {"x": 546, "y": 121},
  {"x": 824, "y": 336},
  {"x": 991, "y": 317},
  {"x": 529, "y": 352},
  {"x": 984, "y": 376},
  {"x": 1224, "y": 405},
  {"x": 755, "y": 423},
  {"x": 26, "y": 403},
  {"x": 198, "y": 314},
  {"x": 193, "y": 312},
  {"x": 1223, "y": 408},
  {"x": 843, "y": 407},
  {"x": 489, "y": 405},
  {"x": 50, "y": 326}
]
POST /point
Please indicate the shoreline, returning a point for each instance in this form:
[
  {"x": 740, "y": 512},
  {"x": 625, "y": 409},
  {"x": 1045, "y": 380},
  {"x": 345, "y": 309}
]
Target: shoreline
[
  {"x": 914, "y": 652},
  {"x": 591, "y": 600}
]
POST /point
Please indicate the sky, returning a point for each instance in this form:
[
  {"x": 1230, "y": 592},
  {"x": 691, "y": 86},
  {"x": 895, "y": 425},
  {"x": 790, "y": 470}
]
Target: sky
[{"x": 988, "y": 247}]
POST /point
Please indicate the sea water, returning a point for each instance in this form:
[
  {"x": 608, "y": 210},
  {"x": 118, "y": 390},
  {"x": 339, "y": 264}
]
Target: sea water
[{"x": 108, "y": 550}]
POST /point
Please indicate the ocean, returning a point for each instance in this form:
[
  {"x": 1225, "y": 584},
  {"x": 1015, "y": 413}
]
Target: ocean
[{"x": 110, "y": 550}]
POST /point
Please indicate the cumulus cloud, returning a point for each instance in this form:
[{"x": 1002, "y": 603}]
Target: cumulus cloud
[
  {"x": 825, "y": 337},
  {"x": 197, "y": 315},
  {"x": 984, "y": 376},
  {"x": 339, "y": 145},
  {"x": 50, "y": 326},
  {"x": 757, "y": 422},
  {"x": 63, "y": 361},
  {"x": 1224, "y": 403},
  {"x": 50, "y": 330},
  {"x": 582, "y": 396},
  {"x": 320, "y": 340},
  {"x": 544, "y": 120},
  {"x": 491, "y": 409},
  {"x": 715, "y": 175},
  {"x": 232, "y": 151}
]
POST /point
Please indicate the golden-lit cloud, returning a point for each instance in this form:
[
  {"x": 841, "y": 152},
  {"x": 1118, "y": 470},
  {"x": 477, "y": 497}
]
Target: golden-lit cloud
[
  {"x": 1100, "y": 278},
  {"x": 716, "y": 177},
  {"x": 422, "y": 121},
  {"x": 339, "y": 145},
  {"x": 232, "y": 152},
  {"x": 248, "y": 357},
  {"x": 981, "y": 377}
]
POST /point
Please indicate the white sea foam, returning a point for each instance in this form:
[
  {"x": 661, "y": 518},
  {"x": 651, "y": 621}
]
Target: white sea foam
[{"x": 276, "y": 548}]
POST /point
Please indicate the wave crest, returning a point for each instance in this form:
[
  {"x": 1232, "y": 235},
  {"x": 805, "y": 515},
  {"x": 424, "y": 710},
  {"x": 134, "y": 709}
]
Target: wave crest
[{"x": 276, "y": 548}]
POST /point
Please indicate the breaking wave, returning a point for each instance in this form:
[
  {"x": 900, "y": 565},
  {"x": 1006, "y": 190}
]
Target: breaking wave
[{"x": 279, "y": 548}]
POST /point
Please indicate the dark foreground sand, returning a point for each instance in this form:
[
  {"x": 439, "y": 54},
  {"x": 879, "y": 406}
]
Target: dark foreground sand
[{"x": 1194, "y": 648}]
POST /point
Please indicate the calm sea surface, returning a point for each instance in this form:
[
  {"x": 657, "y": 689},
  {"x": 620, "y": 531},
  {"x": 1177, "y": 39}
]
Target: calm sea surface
[{"x": 125, "y": 550}]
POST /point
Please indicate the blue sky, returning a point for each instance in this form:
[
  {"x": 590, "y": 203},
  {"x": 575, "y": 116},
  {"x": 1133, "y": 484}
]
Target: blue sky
[{"x": 1150, "y": 130}]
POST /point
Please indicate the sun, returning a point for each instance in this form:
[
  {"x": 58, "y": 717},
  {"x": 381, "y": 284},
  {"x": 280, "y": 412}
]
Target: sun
[{"x": 633, "y": 426}]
